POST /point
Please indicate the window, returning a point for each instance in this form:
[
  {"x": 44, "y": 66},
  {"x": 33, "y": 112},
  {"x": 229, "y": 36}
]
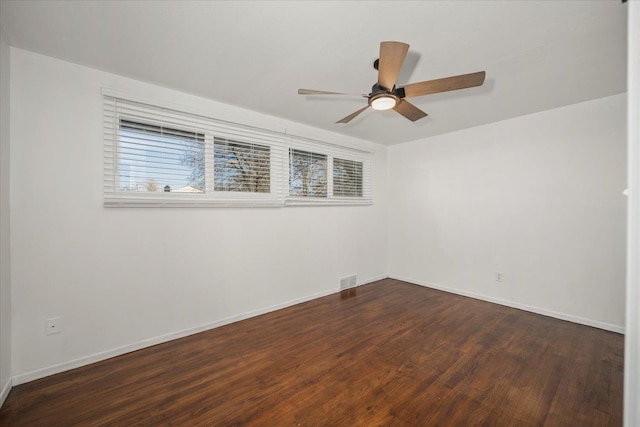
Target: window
[
  {"x": 347, "y": 178},
  {"x": 307, "y": 174},
  {"x": 161, "y": 157},
  {"x": 321, "y": 173},
  {"x": 240, "y": 166},
  {"x": 155, "y": 156}
]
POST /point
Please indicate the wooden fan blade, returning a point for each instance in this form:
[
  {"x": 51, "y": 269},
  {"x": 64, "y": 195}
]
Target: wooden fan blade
[
  {"x": 324, "y": 92},
  {"x": 444, "y": 85},
  {"x": 409, "y": 110},
  {"x": 392, "y": 56},
  {"x": 352, "y": 115}
]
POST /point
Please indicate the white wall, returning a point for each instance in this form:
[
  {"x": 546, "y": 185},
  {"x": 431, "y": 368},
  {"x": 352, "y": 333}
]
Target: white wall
[
  {"x": 537, "y": 197},
  {"x": 5, "y": 255},
  {"x": 125, "y": 278},
  {"x": 632, "y": 331}
]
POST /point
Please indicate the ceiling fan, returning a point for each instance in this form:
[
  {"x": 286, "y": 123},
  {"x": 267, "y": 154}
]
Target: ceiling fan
[{"x": 385, "y": 95}]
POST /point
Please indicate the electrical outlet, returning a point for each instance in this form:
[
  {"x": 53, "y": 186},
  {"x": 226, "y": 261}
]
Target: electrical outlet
[
  {"x": 498, "y": 276},
  {"x": 53, "y": 326}
]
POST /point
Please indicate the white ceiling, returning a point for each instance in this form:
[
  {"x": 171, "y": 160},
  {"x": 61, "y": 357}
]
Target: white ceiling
[{"x": 537, "y": 54}]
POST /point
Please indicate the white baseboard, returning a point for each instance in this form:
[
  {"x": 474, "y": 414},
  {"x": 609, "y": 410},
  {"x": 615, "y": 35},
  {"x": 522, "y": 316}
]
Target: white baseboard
[
  {"x": 562, "y": 316},
  {"x": 5, "y": 391},
  {"x": 371, "y": 280},
  {"x": 103, "y": 355},
  {"x": 83, "y": 361}
]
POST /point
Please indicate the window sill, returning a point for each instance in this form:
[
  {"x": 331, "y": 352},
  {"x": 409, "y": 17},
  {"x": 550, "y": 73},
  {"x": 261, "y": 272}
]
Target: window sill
[
  {"x": 302, "y": 201},
  {"x": 201, "y": 201},
  {"x": 191, "y": 201}
]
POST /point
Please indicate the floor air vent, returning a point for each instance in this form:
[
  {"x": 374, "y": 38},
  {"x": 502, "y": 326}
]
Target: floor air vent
[{"x": 347, "y": 282}]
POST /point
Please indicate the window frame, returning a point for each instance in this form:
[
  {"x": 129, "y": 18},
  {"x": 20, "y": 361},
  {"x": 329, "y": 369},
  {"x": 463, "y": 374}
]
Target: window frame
[
  {"x": 146, "y": 130},
  {"x": 332, "y": 152},
  {"x": 137, "y": 109},
  {"x": 360, "y": 187},
  {"x": 310, "y": 155},
  {"x": 133, "y": 110},
  {"x": 237, "y": 142}
]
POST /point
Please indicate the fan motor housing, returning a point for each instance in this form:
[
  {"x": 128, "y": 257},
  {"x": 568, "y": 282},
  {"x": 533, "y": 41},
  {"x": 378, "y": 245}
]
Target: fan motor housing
[{"x": 377, "y": 90}]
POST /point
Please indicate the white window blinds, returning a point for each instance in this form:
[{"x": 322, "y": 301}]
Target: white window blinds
[
  {"x": 307, "y": 174},
  {"x": 347, "y": 178},
  {"x": 156, "y": 156},
  {"x": 240, "y": 166},
  {"x": 321, "y": 173}
]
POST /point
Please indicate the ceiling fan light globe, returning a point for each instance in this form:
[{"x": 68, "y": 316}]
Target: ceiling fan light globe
[{"x": 383, "y": 103}]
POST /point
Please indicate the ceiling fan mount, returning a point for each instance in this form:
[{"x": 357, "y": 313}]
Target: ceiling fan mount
[{"x": 384, "y": 93}]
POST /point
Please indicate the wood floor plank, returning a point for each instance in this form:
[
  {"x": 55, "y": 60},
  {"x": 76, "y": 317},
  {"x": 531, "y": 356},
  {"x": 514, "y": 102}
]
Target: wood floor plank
[{"x": 389, "y": 353}]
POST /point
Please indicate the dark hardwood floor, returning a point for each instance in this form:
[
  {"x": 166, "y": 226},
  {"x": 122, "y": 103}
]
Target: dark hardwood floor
[{"x": 393, "y": 354}]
